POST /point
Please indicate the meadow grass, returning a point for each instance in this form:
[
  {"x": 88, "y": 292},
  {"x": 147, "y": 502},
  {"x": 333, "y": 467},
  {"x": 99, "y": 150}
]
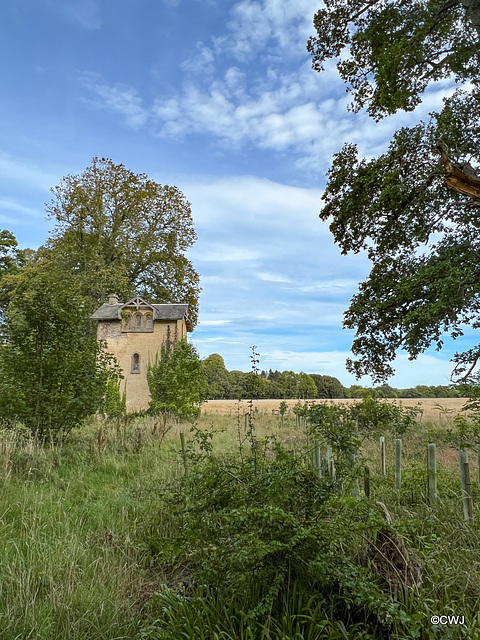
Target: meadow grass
[
  {"x": 73, "y": 558},
  {"x": 70, "y": 562}
]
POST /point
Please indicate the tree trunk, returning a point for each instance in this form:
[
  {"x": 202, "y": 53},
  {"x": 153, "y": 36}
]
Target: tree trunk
[{"x": 462, "y": 178}]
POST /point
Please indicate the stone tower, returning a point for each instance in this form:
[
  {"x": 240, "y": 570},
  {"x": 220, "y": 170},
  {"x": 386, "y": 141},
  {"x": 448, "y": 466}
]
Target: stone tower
[{"x": 135, "y": 332}]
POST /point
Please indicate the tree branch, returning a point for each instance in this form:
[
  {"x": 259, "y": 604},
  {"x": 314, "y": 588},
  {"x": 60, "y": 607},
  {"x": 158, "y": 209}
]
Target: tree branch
[{"x": 461, "y": 178}]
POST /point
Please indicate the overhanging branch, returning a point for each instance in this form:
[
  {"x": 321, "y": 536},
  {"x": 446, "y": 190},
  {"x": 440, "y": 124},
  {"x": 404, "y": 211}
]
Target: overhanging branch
[{"x": 461, "y": 178}]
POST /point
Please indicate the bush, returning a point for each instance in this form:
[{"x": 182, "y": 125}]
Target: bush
[{"x": 255, "y": 531}]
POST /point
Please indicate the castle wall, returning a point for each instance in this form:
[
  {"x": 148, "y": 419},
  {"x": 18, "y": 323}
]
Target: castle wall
[{"x": 124, "y": 344}]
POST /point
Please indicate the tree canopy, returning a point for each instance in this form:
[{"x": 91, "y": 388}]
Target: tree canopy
[
  {"x": 415, "y": 208},
  {"x": 12, "y": 260},
  {"x": 397, "y": 47},
  {"x": 121, "y": 231},
  {"x": 177, "y": 382},
  {"x": 53, "y": 372}
]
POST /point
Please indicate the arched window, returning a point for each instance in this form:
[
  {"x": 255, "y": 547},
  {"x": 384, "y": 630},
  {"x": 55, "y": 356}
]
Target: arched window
[
  {"x": 148, "y": 322},
  {"x": 138, "y": 321},
  {"x": 135, "y": 363},
  {"x": 126, "y": 321}
]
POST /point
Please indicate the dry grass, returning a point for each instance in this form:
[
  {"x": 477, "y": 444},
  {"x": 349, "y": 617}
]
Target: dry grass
[{"x": 433, "y": 409}]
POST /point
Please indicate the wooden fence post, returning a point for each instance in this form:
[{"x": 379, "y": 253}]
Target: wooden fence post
[
  {"x": 382, "y": 455},
  {"x": 465, "y": 485},
  {"x": 398, "y": 463},
  {"x": 432, "y": 472}
]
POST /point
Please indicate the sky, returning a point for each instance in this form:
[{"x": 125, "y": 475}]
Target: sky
[{"x": 218, "y": 98}]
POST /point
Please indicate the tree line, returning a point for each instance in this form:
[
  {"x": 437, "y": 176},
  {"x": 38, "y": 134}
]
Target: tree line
[{"x": 224, "y": 384}]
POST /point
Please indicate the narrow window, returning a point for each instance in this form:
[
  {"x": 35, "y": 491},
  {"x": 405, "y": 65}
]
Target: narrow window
[
  {"x": 138, "y": 322},
  {"x": 148, "y": 322},
  {"x": 135, "y": 363},
  {"x": 126, "y": 321}
]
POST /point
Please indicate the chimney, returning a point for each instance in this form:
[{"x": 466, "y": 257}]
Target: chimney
[{"x": 112, "y": 298}]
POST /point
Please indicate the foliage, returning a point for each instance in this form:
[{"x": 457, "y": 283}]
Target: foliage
[
  {"x": 327, "y": 386},
  {"x": 115, "y": 402},
  {"x": 12, "y": 260},
  {"x": 53, "y": 371},
  {"x": 120, "y": 231},
  {"x": 208, "y": 612},
  {"x": 254, "y": 535},
  {"x": 465, "y": 433},
  {"x": 177, "y": 382},
  {"x": 395, "y": 49},
  {"x": 345, "y": 428},
  {"x": 419, "y": 234},
  {"x": 282, "y": 409},
  {"x": 217, "y": 376},
  {"x": 80, "y": 565}
]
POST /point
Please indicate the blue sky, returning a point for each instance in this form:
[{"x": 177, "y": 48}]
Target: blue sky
[{"x": 217, "y": 97}]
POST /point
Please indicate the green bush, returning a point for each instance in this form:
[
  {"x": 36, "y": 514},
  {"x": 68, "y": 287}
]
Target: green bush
[{"x": 253, "y": 530}]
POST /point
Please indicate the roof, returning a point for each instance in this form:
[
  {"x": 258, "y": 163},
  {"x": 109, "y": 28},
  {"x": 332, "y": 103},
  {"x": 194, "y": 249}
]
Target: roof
[{"x": 160, "y": 311}]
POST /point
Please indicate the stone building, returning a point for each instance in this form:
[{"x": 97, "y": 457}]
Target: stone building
[{"x": 135, "y": 332}]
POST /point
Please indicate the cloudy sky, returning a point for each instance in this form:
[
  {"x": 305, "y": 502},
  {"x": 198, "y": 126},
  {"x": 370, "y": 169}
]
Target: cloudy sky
[{"x": 217, "y": 97}]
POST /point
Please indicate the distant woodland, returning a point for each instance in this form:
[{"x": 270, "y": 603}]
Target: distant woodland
[{"x": 224, "y": 384}]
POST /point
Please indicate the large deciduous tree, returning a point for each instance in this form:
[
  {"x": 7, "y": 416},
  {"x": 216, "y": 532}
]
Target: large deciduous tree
[
  {"x": 217, "y": 376},
  {"x": 121, "y": 231},
  {"x": 415, "y": 209},
  {"x": 53, "y": 373}
]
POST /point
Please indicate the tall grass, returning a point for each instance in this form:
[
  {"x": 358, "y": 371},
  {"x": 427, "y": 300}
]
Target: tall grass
[
  {"x": 70, "y": 562},
  {"x": 74, "y": 562}
]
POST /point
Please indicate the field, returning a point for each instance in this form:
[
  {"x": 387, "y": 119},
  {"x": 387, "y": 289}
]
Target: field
[
  {"x": 433, "y": 409},
  {"x": 84, "y": 525}
]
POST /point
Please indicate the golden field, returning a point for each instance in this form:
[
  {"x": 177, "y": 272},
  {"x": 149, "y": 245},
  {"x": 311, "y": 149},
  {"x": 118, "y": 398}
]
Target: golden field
[{"x": 434, "y": 409}]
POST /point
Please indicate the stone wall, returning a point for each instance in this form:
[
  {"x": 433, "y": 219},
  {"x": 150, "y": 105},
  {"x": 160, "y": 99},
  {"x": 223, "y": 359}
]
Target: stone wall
[{"x": 147, "y": 345}]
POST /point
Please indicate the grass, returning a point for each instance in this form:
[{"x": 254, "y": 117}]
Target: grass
[
  {"x": 70, "y": 562},
  {"x": 73, "y": 558}
]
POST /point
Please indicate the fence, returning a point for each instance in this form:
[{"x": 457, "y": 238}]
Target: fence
[{"x": 324, "y": 466}]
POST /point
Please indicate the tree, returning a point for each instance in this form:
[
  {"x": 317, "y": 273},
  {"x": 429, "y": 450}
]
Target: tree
[
  {"x": 328, "y": 386},
  {"x": 120, "y": 231},
  {"x": 287, "y": 382},
  {"x": 306, "y": 386},
  {"x": 237, "y": 384},
  {"x": 12, "y": 261},
  {"x": 217, "y": 376},
  {"x": 53, "y": 373},
  {"x": 414, "y": 209},
  {"x": 397, "y": 47},
  {"x": 177, "y": 382}
]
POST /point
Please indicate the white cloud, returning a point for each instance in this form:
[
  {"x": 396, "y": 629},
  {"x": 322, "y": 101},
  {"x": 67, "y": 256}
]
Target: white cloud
[
  {"x": 17, "y": 207},
  {"x": 274, "y": 277},
  {"x": 16, "y": 169},
  {"x": 330, "y": 286},
  {"x": 283, "y": 26},
  {"x": 214, "y": 323},
  {"x": 120, "y": 99},
  {"x": 202, "y": 62},
  {"x": 224, "y": 252}
]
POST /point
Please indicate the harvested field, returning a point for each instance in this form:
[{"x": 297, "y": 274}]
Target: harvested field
[{"x": 438, "y": 409}]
